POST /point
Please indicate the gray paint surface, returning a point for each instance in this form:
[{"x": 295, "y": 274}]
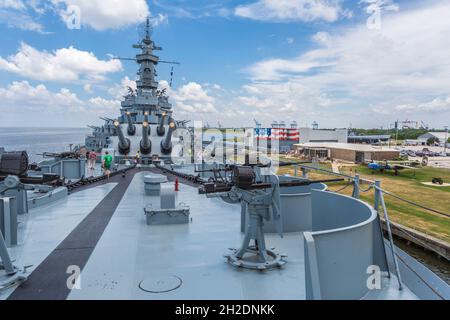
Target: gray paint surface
[
  {"x": 45, "y": 227},
  {"x": 343, "y": 245},
  {"x": 130, "y": 252}
]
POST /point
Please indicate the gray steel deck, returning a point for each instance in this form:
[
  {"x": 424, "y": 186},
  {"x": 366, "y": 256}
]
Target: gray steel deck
[
  {"x": 44, "y": 228},
  {"x": 129, "y": 251}
]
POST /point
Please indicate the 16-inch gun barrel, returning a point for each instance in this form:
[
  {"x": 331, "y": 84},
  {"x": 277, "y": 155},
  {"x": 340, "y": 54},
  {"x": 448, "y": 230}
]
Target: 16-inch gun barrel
[
  {"x": 146, "y": 144},
  {"x": 131, "y": 130},
  {"x": 161, "y": 130},
  {"x": 124, "y": 143},
  {"x": 166, "y": 143}
]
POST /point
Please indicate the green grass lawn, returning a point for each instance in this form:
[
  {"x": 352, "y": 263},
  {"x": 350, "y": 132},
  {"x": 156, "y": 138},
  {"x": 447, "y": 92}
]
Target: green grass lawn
[{"x": 408, "y": 184}]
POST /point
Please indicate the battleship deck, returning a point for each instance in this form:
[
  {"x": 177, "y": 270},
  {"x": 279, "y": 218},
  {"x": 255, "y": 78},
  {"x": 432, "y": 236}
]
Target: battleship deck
[{"x": 117, "y": 250}]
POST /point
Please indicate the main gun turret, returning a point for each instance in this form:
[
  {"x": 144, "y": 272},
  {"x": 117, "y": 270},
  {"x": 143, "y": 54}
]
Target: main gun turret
[
  {"x": 166, "y": 143},
  {"x": 131, "y": 130},
  {"x": 146, "y": 144},
  {"x": 161, "y": 130},
  {"x": 124, "y": 143}
]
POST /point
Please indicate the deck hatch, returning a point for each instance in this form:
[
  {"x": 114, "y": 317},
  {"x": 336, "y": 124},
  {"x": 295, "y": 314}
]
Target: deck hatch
[{"x": 160, "y": 284}]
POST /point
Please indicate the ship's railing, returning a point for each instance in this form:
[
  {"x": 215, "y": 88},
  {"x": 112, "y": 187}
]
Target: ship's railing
[
  {"x": 355, "y": 182},
  {"x": 421, "y": 281}
]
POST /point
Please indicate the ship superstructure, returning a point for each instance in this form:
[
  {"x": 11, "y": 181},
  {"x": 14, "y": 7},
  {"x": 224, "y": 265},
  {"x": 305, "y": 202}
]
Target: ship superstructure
[{"x": 145, "y": 111}]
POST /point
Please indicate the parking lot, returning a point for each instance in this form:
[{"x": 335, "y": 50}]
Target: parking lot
[
  {"x": 435, "y": 155},
  {"x": 436, "y": 162}
]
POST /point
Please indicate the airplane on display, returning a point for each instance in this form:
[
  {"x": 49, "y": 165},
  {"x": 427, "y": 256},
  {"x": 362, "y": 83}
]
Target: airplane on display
[{"x": 395, "y": 166}]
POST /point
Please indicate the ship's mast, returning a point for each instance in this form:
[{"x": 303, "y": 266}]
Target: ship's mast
[{"x": 147, "y": 61}]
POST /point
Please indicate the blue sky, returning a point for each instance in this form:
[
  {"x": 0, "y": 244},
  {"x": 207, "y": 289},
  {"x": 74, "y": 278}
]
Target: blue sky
[{"x": 303, "y": 60}]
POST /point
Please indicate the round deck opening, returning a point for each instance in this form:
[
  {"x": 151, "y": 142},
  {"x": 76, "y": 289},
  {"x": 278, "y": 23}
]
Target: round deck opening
[{"x": 160, "y": 284}]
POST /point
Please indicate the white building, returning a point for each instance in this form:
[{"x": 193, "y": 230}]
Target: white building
[
  {"x": 313, "y": 135},
  {"x": 442, "y": 136},
  {"x": 412, "y": 142},
  {"x": 357, "y": 153}
]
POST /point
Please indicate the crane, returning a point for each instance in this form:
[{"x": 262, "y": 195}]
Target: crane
[{"x": 257, "y": 123}]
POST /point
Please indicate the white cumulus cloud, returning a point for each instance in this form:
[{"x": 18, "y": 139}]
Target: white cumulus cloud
[
  {"x": 400, "y": 67},
  {"x": 22, "y": 95},
  {"x": 292, "y": 10},
  {"x": 46, "y": 107},
  {"x": 119, "y": 90},
  {"x": 435, "y": 106},
  {"x": 12, "y": 4},
  {"x": 106, "y": 14},
  {"x": 191, "y": 99},
  {"x": 62, "y": 65}
]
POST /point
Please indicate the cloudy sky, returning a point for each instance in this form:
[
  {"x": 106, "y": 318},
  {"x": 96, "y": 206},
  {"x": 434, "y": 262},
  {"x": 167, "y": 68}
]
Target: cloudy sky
[{"x": 364, "y": 63}]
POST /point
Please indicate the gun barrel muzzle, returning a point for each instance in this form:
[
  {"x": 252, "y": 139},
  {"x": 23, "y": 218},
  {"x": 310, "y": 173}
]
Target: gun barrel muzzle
[
  {"x": 161, "y": 130},
  {"x": 146, "y": 144},
  {"x": 124, "y": 143},
  {"x": 131, "y": 130},
  {"x": 166, "y": 143}
]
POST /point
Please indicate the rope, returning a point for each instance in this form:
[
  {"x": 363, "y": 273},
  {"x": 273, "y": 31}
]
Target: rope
[
  {"x": 342, "y": 189},
  {"x": 414, "y": 204},
  {"x": 366, "y": 190}
]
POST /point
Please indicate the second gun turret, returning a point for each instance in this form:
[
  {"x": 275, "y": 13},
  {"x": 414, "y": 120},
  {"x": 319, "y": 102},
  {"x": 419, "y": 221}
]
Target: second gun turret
[
  {"x": 124, "y": 143},
  {"x": 146, "y": 144},
  {"x": 166, "y": 143},
  {"x": 131, "y": 130}
]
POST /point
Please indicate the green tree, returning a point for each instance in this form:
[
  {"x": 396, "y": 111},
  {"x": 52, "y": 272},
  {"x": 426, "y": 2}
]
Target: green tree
[{"x": 432, "y": 141}]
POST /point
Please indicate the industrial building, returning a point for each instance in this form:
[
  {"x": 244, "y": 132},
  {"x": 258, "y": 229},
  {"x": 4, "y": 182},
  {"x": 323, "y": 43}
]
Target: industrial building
[
  {"x": 368, "y": 139},
  {"x": 315, "y": 135},
  {"x": 285, "y": 136},
  {"x": 288, "y": 136},
  {"x": 357, "y": 153},
  {"x": 442, "y": 136}
]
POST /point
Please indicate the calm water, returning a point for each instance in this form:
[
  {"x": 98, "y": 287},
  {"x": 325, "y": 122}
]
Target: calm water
[
  {"x": 441, "y": 267},
  {"x": 38, "y": 140}
]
